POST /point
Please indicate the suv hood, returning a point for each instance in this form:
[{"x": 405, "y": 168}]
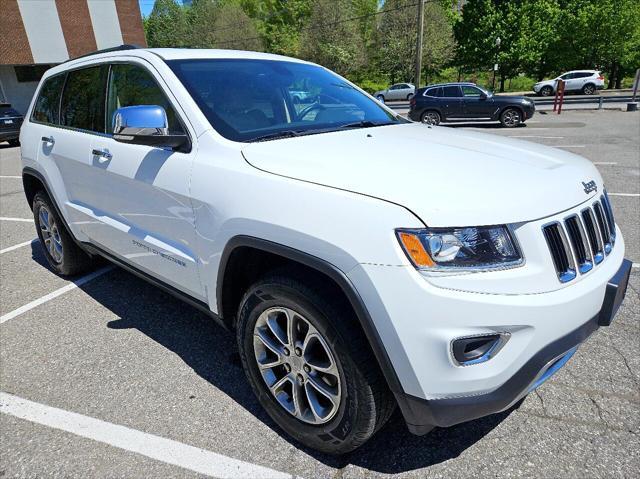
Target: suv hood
[{"x": 447, "y": 177}]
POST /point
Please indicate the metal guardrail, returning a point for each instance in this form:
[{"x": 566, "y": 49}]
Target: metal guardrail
[{"x": 568, "y": 100}]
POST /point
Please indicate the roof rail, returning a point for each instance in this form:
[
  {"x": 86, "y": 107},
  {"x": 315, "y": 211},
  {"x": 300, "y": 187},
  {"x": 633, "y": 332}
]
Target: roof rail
[{"x": 126, "y": 46}]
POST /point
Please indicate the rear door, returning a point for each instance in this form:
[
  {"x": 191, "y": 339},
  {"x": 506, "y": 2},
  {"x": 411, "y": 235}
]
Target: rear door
[
  {"x": 451, "y": 102},
  {"x": 140, "y": 199}
]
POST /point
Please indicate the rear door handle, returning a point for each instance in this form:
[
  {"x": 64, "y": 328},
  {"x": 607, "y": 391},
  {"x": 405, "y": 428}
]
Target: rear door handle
[
  {"x": 104, "y": 155},
  {"x": 48, "y": 139}
]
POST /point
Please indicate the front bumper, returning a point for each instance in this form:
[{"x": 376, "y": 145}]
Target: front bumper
[
  {"x": 422, "y": 415},
  {"x": 417, "y": 319}
]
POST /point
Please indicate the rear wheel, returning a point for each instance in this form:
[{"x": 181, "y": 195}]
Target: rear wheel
[
  {"x": 409, "y": 96},
  {"x": 546, "y": 91},
  {"x": 588, "y": 89},
  {"x": 310, "y": 365},
  {"x": 430, "y": 117},
  {"x": 380, "y": 98},
  {"x": 510, "y": 118},
  {"x": 63, "y": 254},
  {"x": 14, "y": 142}
]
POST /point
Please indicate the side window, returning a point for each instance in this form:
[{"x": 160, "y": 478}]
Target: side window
[
  {"x": 47, "y": 107},
  {"x": 451, "y": 92},
  {"x": 395, "y": 87},
  {"x": 470, "y": 91},
  {"x": 568, "y": 76},
  {"x": 83, "y": 99},
  {"x": 132, "y": 85}
]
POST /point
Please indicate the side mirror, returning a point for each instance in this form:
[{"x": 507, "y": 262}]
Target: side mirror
[
  {"x": 145, "y": 125},
  {"x": 483, "y": 96}
]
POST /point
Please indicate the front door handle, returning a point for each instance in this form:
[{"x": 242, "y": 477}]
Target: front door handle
[
  {"x": 48, "y": 139},
  {"x": 103, "y": 155}
]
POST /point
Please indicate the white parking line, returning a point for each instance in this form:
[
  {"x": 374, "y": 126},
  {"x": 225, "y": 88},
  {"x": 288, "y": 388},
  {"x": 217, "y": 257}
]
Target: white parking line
[
  {"x": 605, "y": 163},
  {"x": 54, "y": 294},
  {"x": 25, "y": 220},
  {"x": 11, "y": 176},
  {"x": 633, "y": 195},
  {"x": 568, "y": 146},
  {"x": 17, "y": 246},
  {"x": 536, "y": 136},
  {"x": 149, "y": 445}
]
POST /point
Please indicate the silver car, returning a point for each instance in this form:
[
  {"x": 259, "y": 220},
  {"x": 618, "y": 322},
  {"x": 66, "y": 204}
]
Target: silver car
[{"x": 399, "y": 91}]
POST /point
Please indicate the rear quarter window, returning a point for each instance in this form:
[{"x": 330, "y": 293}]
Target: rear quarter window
[{"x": 47, "y": 107}]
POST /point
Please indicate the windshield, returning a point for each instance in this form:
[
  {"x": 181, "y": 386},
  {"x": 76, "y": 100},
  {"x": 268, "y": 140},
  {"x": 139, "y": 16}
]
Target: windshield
[{"x": 254, "y": 100}]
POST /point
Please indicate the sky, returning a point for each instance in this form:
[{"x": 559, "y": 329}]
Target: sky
[{"x": 147, "y": 5}]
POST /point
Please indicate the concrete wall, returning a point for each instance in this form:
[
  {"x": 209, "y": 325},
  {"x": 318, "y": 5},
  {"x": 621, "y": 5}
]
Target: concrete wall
[{"x": 19, "y": 94}]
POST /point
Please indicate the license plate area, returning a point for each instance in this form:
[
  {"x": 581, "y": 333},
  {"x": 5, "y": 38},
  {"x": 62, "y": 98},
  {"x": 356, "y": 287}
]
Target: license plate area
[{"x": 614, "y": 295}]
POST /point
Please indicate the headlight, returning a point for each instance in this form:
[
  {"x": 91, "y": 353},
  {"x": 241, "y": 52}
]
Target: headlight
[{"x": 473, "y": 248}]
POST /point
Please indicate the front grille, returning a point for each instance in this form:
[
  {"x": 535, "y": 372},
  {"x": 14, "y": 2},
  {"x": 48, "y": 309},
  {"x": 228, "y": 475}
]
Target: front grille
[{"x": 582, "y": 241}]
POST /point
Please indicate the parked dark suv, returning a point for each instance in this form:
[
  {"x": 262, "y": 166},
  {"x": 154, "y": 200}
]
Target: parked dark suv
[
  {"x": 467, "y": 101},
  {"x": 10, "y": 123}
]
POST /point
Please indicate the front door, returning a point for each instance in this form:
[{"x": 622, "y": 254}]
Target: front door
[
  {"x": 136, "y": 198},
  {"x": 476, "y": 103}
]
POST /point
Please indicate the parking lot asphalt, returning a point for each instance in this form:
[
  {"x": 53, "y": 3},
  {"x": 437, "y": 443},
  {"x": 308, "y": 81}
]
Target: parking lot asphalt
[{"x": 114, "y": 378}]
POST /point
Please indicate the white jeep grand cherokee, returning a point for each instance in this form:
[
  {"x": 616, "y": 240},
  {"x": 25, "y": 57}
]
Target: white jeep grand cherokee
[{"x": 364, "y": 261}]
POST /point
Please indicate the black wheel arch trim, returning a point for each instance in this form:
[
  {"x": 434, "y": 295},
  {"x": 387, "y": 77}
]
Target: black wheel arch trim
[{"x": 343, "y": 282}]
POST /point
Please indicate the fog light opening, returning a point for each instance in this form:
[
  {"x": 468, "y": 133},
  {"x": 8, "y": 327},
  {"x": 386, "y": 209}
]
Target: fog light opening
[{"x": 477, "y": 349}]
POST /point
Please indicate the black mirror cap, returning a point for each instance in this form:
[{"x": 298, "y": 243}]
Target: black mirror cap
[
  {"x": 179, "y": 143},
  {"x": 483, "y": 96}
]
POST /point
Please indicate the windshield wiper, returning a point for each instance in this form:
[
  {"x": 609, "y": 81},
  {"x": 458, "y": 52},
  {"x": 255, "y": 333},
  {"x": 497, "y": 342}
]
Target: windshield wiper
[
  {"x": 366, "y": 124},
  {"x": 275, "y": 136}
]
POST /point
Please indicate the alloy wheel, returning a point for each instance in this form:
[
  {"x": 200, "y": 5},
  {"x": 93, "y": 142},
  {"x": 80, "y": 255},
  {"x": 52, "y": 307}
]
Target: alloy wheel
[
  {"x": 511, "y": 118},
  {"x": 430, "y": 118},
  {"x": 297, "y": 365},
  {"x": 50, "y": 234}
]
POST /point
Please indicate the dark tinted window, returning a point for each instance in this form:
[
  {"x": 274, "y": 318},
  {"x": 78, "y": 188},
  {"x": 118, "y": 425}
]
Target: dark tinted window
[
  {"x": 132, "y": 85},
  {"x": 471, "y": 91},
  {"x": 451, "y": 91},
  {"x": 435, "y": 92},
  {"x": 583, "y": 74},
  {"x": 48, "y": 103},
  {"x": 83, "y": 99},
  {"x": 30, "y": 73}
]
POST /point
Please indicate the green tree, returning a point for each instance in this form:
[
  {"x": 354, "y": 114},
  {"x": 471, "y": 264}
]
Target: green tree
[
  {"x": 167, "y": 25},
  {"x": 332, "y": 39}
]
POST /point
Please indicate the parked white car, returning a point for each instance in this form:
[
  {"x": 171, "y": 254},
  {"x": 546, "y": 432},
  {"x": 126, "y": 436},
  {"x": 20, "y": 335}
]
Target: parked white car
[
  {"x": 364, "y": 261},
  {"x": 585, "y": 81},
  {"x": 399, "y": 91}
]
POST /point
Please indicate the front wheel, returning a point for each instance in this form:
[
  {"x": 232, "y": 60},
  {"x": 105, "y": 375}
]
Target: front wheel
[
  {"x": 430, "y": 117},
  {"x": 14, "y": 143},
  {"x": 310, "y": 366},
  {"x": 546, "y": 91},
  {"x": 510, "y": 118}
]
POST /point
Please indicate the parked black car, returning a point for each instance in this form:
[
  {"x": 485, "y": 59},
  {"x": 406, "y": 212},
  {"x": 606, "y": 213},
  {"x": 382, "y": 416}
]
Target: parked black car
[
  {"x": 10, "y": 123},
  {"x": 467, "y": 101}
]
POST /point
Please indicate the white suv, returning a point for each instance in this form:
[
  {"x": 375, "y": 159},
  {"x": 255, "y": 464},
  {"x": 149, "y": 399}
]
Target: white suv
[
  {"x": 585, "y": 81},
  {"x": 363, "y": 260}
]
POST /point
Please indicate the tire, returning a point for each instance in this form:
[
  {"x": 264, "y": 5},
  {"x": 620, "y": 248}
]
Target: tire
[
  {"x": 63, "y": 254},
  {"x": 14, "y": 143},
  {"x": 546, "y": 91},
  {"x": 409, "y": 96},
  {"x": 361, "y": 402},
  {"x": 589, "y": 89},
  {"x": 511, "y": 118},
  {"x": 380, "y": 98},
  {"x": 430, "y": 117}
]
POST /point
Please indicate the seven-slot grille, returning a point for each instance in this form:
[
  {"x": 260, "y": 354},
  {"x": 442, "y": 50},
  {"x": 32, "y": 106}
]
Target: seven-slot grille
[{"x": 582, "y": 240}]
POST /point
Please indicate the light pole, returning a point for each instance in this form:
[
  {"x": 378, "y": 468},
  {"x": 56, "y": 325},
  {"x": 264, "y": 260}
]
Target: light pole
[{"x": 495, "y": 65}]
